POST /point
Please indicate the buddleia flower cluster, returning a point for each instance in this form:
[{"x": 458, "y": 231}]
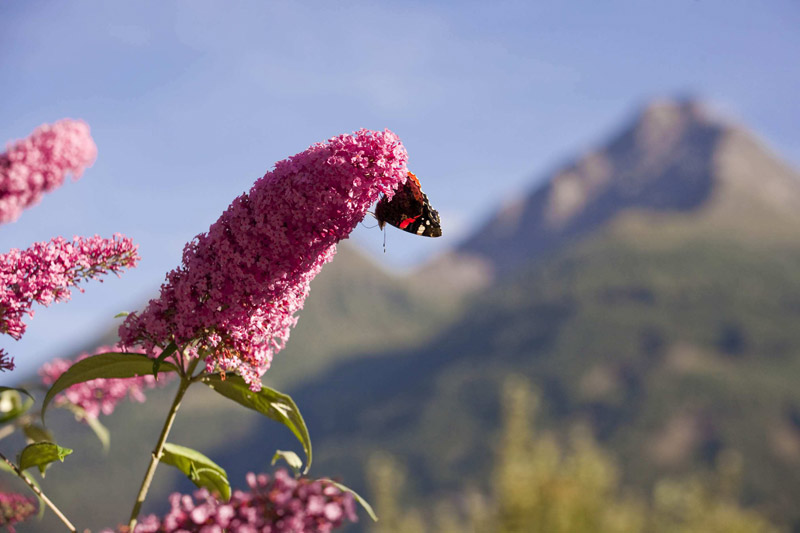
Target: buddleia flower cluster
[
  {"x": 278, "y": 504},
  {"x": 39, "y": 163},
  {"x": 47, "y": 271},
  {"x": 234, "y": 297},
  {"x": 15, "y": 508}
]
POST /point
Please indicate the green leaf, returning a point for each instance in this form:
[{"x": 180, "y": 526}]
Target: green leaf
[
  {"x": 268, "y": 402},
  {"x": 122, "y": 314},
  {"x": 201, "y": 470},
  {"x": 18, "y": 389},
  {"x": 104, "y": 365},
  {"x": 166, "y": 352},
  {"x": 41, "y": 454},
  {"x": 291, "y": 459},
  {"x": 12, "y": 405},
  {"x": 364, "y": 503},
  {"x": 37, "y": 433}
]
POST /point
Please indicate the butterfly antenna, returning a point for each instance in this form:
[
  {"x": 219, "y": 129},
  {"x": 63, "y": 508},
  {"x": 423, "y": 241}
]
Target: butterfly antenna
[
  {"x": 384, "y": 241},
  {"x": 369, "y": 227}
]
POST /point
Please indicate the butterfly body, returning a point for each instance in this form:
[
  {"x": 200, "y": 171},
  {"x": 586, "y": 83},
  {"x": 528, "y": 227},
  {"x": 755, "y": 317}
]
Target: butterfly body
[{"x": 409, "y": 210}]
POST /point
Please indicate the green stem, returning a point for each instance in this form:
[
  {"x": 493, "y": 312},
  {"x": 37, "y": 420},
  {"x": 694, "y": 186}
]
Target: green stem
[
  {"x": 157, "y": 452},
  {"x": 36, "y": 490}
]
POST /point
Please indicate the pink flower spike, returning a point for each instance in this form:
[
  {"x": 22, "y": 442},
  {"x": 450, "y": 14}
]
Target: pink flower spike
[
  {"x": 39, "y": 164},
  {"x": 240, "y": 284},
  {"x": 45, "y": 273}
]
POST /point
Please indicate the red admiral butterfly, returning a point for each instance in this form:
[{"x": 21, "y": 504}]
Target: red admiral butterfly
[{"x": 409, "y": 210}]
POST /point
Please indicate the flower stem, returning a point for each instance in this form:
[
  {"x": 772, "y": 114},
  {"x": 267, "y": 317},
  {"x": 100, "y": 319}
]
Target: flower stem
[
  {"x": 36, "y": 490},
  {"x": 157, "y": 452}
]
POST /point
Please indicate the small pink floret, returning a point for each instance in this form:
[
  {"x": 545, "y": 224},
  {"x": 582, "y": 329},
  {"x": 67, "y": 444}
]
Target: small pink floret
[{"x": 6, "y": 362}]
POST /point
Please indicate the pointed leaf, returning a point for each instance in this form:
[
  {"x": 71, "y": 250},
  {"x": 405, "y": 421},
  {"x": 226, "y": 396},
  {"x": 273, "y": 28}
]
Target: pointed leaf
[
  {"x": 268, "y": 402},
  {"x": 36, "y": 434},
  {"x": 12, "y": 405},
  {"x": 18, "y": 389},
  {"x": 201, "y": 470},
  {"x": 122, "y": 314},
  {"x": 41, "y": 454},
  {"x": 291, "y": 458},
  {"x": 166, "y": 352},
  {"x": 215, "y": 481},
  {"x": 364, "y": 503},
  {"x": 104, "y": 365}
]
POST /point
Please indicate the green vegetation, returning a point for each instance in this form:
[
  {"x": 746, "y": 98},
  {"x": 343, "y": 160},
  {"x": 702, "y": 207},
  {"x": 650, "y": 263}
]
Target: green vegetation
[
  {"x": 669, "y": 353},
  {"x": 541, "y": 486}
]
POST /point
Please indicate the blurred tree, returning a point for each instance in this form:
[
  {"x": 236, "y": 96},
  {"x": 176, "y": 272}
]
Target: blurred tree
[
  {"x": 696, "y": 505},
  {"x": 387, "y": 481},
  {"x": 539, "y": 486}
]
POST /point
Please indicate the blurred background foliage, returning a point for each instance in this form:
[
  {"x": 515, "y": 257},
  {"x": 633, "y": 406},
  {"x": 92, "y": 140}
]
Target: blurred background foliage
[{"x": 544, "y": 484}]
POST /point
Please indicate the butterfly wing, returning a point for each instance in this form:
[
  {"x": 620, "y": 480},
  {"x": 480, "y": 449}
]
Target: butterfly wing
[
  {"x": 409, "y": 210},
  {"x": 427, "y": 224}
]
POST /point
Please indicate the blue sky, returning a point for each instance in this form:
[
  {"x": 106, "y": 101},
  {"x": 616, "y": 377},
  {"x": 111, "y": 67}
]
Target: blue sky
[{"x": 190, "y": 102}]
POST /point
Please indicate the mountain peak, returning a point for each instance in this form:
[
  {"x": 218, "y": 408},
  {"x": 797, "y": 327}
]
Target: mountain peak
[
  {"x": 675, "y": 164},
  {"x": 663, "y": 122},
  {"x": 666, "y": 112}
]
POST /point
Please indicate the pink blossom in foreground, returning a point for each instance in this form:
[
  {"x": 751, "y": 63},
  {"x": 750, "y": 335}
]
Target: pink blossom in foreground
[
  {"x": 278, "y": 505},
  {"x": 40, "y": 163},
  {"x": 45, "y": 273},
  {"x": 98, "y": 395},
  {"x": 15, "y": 508},
  {"x": 241, "y": 283}
]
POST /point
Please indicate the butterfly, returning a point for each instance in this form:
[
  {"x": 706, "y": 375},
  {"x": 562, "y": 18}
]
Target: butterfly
[{"x": 409, "y": 210}]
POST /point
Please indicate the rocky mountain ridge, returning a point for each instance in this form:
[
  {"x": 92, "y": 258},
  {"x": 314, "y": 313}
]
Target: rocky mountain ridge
[{"x": 675, "y": 160}]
